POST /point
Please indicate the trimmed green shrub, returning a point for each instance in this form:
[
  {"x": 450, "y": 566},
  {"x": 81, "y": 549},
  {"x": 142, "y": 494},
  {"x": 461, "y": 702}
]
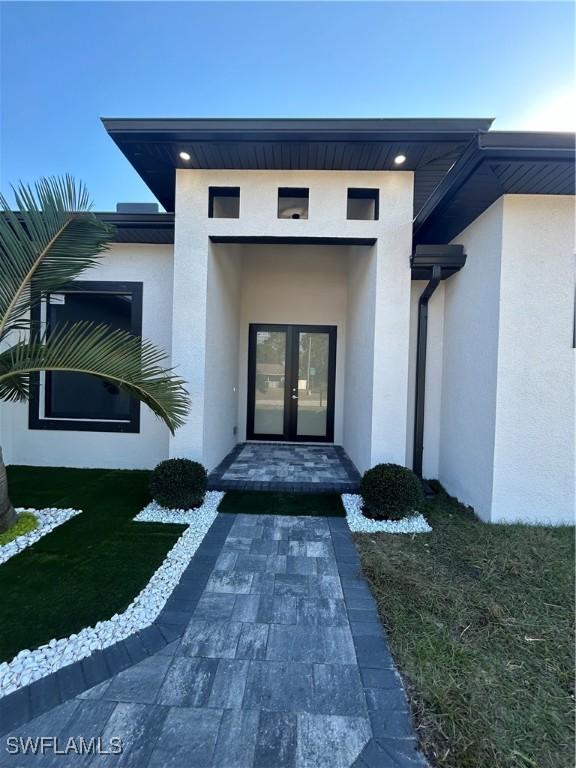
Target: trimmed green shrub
[
  {"x": 390, "y": 492},
  {"x": 179, "y": 484}
]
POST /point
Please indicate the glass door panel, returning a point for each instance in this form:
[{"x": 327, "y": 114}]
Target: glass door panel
[
  {"x": 291, "y": 376},
  {"x": 313, "y": 378},
  {"x": 270, "y": 382}
]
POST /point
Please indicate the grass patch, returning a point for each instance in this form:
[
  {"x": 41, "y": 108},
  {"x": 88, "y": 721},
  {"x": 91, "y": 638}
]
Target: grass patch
[
  {"x": 86, "y": 569},
  {"x": 271, "y": 503},
  {"x": 25, "y": 523},
  {"x": 480, "y": 621}
]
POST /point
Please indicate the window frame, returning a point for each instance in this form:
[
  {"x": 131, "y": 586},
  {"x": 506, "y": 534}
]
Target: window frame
[
  {"x": 35, "y": 421},
  {"x": 233, "y": 192},
  {"x": 364, "y": 193},
  {"x": 296, "y": 193}
]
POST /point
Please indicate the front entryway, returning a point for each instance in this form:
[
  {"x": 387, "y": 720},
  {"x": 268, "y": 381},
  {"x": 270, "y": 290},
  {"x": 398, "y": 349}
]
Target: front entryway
[{"x": 291, "y": 372}]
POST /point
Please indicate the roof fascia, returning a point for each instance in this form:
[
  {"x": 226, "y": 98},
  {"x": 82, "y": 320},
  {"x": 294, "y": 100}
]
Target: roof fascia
[
  {"x": 140, "y": 220},
  {"x": 376, "y": 129}
]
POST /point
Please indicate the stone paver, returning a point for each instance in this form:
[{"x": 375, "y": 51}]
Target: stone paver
[
  {"x": 281, "y": 662},
  {"x": 284, "y": 466},
  {"x": 298, "y": 463}
]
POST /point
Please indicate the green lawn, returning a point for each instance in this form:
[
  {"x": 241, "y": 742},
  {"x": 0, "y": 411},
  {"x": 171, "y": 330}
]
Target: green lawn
[
  {"x": 480, "y": 621},
  {"x": 85, "y": 570},
  {"x": 95, "y": 564},
  {"x": 26, "y": 522},
  {"x": 270, "y": 503}
]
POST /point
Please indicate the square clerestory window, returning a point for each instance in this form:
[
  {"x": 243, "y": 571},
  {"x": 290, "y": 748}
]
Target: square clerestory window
[
  {"x": 293, "y": 202},
  {"x": 363, "y": 204},
  {"x": 224, "y": 202}
]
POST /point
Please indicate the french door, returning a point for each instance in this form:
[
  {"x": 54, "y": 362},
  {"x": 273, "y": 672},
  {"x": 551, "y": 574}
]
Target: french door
[{"x": 291, "y": 371}]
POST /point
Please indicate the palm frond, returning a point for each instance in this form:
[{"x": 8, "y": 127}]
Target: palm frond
[
  {"x": 133, "y": 365},
  {"x": 47, "y": 242}
]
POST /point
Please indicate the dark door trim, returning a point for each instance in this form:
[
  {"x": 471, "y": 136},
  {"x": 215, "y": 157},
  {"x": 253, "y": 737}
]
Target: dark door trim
[{"x": 291, "y": 406}]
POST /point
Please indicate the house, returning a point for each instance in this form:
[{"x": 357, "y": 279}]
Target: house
[{"x": 401, "y": 288}]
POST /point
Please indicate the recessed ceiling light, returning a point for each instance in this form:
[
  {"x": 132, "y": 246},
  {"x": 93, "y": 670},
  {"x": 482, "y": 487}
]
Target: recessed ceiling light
[
  {"x": 399, "y": 159},
  {"x": 184, "y": 156}
]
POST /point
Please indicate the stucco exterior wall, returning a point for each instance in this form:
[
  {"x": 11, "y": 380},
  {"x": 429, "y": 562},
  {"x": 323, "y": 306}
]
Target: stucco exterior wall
[
  {"x": 534, "y": 458},
  {"x": 468, "y": 411},
  {"x": 222, "y": 352},
  {"x": 327, "y": 203},
  {"x": 359, "y": 374},
  {"x": 151, "y": 265},
  {"x": 507, "y": 436},
  {"x": 392, "y": 337},
  {"x": 434, "y": 366},
  {"x": 327, "y": 218},
  {"x": 189, "y": 310}
]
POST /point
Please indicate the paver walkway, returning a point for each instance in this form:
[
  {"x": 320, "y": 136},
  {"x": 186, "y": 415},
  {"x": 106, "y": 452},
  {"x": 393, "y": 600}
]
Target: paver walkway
[
  {"x": 286, "y": 467},
  {"x": 282, "y": 664}
]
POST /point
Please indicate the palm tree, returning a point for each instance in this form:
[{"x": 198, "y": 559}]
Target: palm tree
[{"x": 50, "y": 240}]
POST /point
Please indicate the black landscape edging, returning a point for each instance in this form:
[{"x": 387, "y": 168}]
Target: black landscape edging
[{"x": 282, "y": 486}]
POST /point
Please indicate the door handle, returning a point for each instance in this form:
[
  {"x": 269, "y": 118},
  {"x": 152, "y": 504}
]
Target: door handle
[{"x": 294, "y": 397}]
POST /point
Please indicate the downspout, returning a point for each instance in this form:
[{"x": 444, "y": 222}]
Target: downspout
[{"x": 421, "y": 343}]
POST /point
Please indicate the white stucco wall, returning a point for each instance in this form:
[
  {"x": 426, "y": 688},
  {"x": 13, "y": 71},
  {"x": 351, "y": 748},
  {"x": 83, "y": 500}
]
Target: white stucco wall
[
  {"x": 359, "y": 373},
  {"x": 327, "y": 218},
  {"x": 189, "y": 310},
  {"x": 327, "y": 202},
  {"x": 151, "y": 265},
  {"x": 534, "y": 460},
  {"x": 222, "y": 338},
  {"x": 468, "y": 412},
  {"x": 508, "y": 397},
  {"x": 392, "y": 333},
  {"x": 294, "y": 284},
  {"x": 434, "y": 365}
]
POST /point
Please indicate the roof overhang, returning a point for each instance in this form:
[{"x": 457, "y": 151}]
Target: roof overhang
[
  {"x": 495, "y": 164},
  {"x": 155, "y": 228},
  {"x": 153, "y": 146}
]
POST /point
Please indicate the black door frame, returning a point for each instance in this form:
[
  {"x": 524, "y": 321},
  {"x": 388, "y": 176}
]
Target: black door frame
[{"x": 291, "y": 406}]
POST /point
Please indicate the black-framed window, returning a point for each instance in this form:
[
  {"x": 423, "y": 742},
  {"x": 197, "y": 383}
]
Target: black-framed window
[
  {"x": 224, "y": 202},
  {"x": 362, "y": 204},
  {"x": 293, "y": 202},
  {"x": 78, "y": 401}
]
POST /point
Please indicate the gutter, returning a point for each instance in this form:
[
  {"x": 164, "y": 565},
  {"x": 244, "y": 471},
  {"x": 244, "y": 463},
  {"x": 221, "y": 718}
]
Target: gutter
[
  {"x": 421, "y": 345},
  {"x": 440, "y": 262}
]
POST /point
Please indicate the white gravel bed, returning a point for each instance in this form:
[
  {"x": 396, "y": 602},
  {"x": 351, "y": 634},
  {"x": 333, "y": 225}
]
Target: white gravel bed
[
  {"x": 28, "y": 665},
  {"x": 154, "y": 513},
  {"x": 48, "y": 519},
  {"x": 358, "y": 523}
]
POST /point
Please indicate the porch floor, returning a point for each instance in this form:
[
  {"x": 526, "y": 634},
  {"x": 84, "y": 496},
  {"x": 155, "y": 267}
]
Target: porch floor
[{"x": 286, "y": 467}]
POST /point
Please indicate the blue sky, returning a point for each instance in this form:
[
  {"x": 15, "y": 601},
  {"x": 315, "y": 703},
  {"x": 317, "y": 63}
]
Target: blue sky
[{"x": 64, "y": 65}]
